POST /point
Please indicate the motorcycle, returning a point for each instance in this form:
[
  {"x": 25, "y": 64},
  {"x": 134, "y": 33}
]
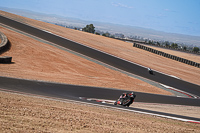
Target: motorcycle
[
  {"x": 126, "y": 99},
  {"x": 150, "y": 71}
]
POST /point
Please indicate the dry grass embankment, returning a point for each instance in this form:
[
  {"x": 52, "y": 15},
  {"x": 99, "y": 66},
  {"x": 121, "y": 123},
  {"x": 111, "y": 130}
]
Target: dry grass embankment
[
  {"x": 122, "y": 49},
  {"x": 38, "y": 61},
  {"x": 30, "y": 114}
]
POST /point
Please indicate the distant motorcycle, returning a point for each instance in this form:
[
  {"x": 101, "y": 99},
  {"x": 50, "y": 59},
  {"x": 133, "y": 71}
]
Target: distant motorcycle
[
  {"x": 126, "y": 99},
  {"x": 150, "y": 71}
]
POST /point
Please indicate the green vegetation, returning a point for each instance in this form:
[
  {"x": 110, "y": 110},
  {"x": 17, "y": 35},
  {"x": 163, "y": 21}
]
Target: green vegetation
[
  {"x": 167, "y": 44},
  {"x": 195, "y": 49},
  {"x": 106, "y": 34},
  {"x": 89, "y": 28},
  {"x": 174, "y": 45},
  {"x": 180, "y": 46},
  {"x": 97, "y": 33}
]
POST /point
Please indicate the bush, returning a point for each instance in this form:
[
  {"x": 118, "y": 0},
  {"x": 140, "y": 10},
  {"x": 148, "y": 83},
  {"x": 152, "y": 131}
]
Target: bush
[
  {"x": 195, "y": 49},
  {"x": 89, "y": 28}
]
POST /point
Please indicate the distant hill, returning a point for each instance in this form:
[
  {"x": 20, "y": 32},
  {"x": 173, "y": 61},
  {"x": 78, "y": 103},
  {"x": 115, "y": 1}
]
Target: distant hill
[{"x": 111, "y": 28}]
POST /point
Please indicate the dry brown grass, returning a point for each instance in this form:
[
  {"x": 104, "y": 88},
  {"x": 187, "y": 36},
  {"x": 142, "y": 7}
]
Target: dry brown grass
[
  {"x": 30, "y": 114},
  {"x": 122, "y": 49},
  {"x": 39, "y": 61}
]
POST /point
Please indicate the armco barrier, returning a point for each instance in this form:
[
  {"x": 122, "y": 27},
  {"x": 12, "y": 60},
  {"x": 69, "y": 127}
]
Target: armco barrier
[
  {"x": 177, "y": 59},
  {"x": 4, "y": 41},
  {"x": 5, "y": 59},
  {"x": 184, "y": 61},
  {"x": 192, "y": 63},
  {"x": 3, "y": 46},
  {"x": 181, "y": 60}
]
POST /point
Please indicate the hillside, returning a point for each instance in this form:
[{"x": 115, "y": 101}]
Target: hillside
[
  {"x": 121, "y": 49},
  {"x": 37, "y": 60}
]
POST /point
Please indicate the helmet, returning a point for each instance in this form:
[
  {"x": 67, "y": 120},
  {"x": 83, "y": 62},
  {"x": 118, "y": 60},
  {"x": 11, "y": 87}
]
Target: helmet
[{"x": 132, "y": 93}]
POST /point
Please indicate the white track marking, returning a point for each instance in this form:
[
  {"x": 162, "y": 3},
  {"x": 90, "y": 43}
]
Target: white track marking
[
  {"x": 180, "y": 91},
  {"x": 141, "y": 112},
  {"x": 47, "y": 31}
]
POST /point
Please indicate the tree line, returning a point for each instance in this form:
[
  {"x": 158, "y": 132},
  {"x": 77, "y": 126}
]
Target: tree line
[{"x": 91, "y": 29}]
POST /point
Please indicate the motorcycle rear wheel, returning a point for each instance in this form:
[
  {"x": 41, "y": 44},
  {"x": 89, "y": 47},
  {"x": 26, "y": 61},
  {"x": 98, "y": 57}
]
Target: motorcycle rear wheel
[{"x": 126, "y": 102}]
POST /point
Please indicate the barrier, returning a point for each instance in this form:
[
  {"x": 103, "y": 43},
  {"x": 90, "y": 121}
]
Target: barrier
[
  {"x": 5, "y": 59},
  {"x": 4, "y": 41},
  {"x": 173, "y": 57},
  {"x": 4, "y": 45}
]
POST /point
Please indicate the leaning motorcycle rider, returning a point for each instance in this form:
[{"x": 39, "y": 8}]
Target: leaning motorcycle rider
[
  {"x": 149, "y": 70},
  {"x": 124, "y": 96}
]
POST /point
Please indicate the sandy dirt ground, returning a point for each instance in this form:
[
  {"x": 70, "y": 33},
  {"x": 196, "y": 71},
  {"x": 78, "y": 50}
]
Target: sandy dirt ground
[
  {"x": 122, "y": 49},
  {"x": 39, "y": 61},
  {"x": 20, "y": 113}
]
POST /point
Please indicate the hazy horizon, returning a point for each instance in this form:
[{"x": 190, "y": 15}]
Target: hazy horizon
[
  {"x": 172, "y": 16},
  {"x": 108, "y": 27}
]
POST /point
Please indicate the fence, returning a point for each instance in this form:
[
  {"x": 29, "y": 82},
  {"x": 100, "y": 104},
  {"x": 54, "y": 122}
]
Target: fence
[{"x": 173, "y": 57}]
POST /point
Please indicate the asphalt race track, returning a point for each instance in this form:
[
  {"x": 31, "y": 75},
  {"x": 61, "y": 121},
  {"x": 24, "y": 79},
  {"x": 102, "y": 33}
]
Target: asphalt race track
[
  {"x": 73, "y": 92},
  {"x": 103, "y": 57}
]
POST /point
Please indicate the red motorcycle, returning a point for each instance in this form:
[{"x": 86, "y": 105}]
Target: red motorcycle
[{"x": 126, "y": 99}]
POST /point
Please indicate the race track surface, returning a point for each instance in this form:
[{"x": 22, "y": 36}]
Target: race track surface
[{"x": 73, "y": 92}]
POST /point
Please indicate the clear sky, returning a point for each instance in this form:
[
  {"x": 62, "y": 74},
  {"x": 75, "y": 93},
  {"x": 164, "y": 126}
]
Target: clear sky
[{"x": 175, "y": 16}]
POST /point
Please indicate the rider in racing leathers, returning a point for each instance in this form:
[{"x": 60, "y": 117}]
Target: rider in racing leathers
[
  {"x": 149, "y": 70},
  {"x": 124, "y": 95}
]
